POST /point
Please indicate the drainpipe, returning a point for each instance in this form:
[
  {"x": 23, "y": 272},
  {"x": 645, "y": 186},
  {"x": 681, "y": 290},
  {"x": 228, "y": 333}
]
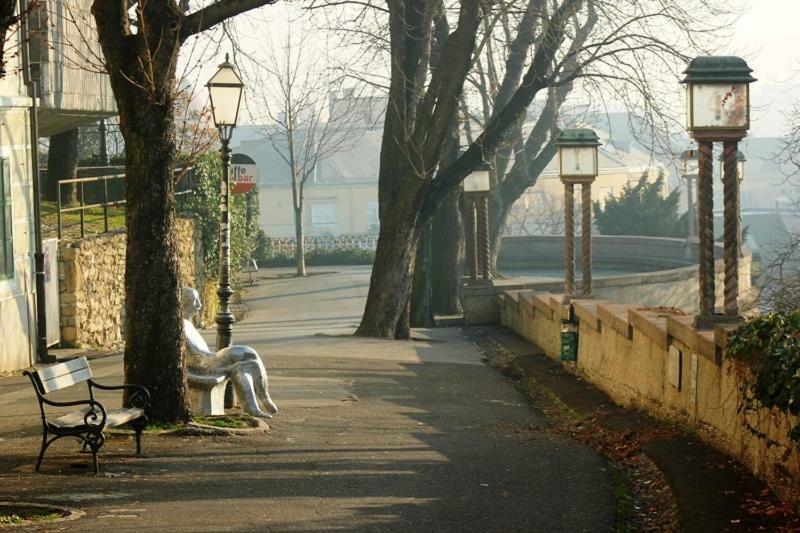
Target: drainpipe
[{"x": 38, "y": 255}]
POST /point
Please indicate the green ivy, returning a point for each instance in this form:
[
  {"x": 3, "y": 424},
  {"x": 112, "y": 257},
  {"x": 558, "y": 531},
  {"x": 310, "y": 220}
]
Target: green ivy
[
  {"x": 770, "y": 347},
  {"x": 202, "y": 204}
]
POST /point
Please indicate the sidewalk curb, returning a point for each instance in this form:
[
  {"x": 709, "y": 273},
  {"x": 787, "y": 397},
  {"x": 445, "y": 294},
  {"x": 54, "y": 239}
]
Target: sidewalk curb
[{"x": 713, "y": 492}]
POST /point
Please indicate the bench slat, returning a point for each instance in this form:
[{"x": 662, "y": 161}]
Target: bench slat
[
  {"x": 62, "y": 369},
  {"x": 116, "y": 417},
  {"x": 66, "y": 380}
]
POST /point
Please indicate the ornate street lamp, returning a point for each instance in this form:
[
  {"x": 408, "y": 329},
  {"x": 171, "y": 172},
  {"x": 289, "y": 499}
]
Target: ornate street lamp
[
  {"x": 689, "y": 169},
  {"x": 225, "y": 88},
  {"x": 476, "y": 192},
  {"x": 577, "y": 164},
  {"x": 718, "y": 110}
]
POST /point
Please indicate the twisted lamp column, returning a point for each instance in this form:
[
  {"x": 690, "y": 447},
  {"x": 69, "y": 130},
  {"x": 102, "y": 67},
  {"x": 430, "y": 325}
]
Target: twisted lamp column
[
  {"x": 483, "y": 234},
  {"x": 705, "y": 223},
  {"x": 731, "y": 236},
  {"x": 586, "y": 238},
  {"x": 569, "y": 239},
  {"x": 470, "y": 235}
]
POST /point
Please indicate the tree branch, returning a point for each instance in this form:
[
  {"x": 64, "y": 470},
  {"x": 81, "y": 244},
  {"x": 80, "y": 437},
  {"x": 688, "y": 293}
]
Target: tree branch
[{"x": 213, "y": 14}]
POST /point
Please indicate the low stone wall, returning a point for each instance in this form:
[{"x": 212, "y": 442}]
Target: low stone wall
[
  {"x": 654, "y": 359},
  {"x": 92, "y": 285}
]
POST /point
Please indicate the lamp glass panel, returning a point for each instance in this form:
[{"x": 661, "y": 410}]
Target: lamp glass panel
[
  {"x": 721, "y": 106},
  {"x": 578, "y": 161},
  {"x": 740, "y": 170},
  {"x": 225, "y": 104},
  {"x": 477, "y": 181},
  {"x": 690, "y": 167}
]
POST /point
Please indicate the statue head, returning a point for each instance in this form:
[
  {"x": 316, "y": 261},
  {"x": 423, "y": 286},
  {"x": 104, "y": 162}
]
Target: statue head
[{"x": 190, "y": 300}]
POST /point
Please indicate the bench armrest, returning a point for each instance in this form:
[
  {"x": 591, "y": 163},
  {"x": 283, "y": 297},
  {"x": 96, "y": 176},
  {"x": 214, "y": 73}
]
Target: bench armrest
[
  {"x": 90, "y": 418},
  {"x": 140, "y": 397}
]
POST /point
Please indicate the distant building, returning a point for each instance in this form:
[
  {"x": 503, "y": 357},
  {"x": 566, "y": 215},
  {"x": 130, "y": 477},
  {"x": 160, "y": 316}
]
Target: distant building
[{"x": 342, "y": 195}]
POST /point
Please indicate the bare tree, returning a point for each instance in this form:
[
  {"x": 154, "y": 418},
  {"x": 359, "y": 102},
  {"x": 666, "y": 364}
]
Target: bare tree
[
  {"x": 310, "y": 114},
  {"x": 141, "y": 42},
  {"x": 542, "y": 214},
  {"x": 427, "y": 79}
]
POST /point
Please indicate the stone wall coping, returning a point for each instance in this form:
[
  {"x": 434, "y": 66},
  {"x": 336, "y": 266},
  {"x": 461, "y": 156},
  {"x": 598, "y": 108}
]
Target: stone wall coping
[
  {"x": 650, "y": 324},
  {"x": 660, "y": 327},
  {"x": 586, "y": 311},
  {"x": 616, "y": 315},
  {"x": 526, "y": 301},
  {"x": 541, "y": 301},
  {"x": 560, "y": 311}
]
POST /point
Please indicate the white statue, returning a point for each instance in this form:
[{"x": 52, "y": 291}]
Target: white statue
[{"x": 241, "y": 364}]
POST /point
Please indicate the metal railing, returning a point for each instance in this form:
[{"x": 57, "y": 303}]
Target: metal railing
[{"x": 183, "y": 188}]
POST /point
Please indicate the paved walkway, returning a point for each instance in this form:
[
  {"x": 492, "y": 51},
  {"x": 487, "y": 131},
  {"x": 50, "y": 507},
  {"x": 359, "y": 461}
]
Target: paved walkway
[{"x": 372, "y": 436}]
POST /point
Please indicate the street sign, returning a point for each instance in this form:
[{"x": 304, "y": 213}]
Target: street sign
[{"x": 244, "y": 172}]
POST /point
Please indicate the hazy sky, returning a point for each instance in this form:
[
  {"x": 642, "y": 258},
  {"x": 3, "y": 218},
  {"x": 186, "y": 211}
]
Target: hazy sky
[
  {"x": 770, "y": 34},
  {"x": 767, "y": 35}
]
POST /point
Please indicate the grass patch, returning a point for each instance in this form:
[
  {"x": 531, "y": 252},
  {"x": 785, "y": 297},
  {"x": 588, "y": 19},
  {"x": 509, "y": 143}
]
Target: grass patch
[
  {"x": 92, "y": 219},
  {"x": 227, "y": 421},
  {"x": 164, "y": 426},
  {"x": 23, "y": 514}
]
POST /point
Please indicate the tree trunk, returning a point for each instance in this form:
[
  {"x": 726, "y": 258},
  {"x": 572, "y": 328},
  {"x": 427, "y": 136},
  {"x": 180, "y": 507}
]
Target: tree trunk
[
  {"x": 499, "y": 209},
  {"x": 386, "y": 313},
  {"x": 446, "y": 241},
  {"x": 62, "y": 164},
  {"x": 421, "y": 304},
  {"x": 153, "y": 330},
  {"x": 144, "y": 85},
  {"x": 300, "y": 248}
]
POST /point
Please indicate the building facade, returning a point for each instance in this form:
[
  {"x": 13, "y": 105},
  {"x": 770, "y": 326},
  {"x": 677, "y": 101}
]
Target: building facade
[{"x": 66, "y": 61}]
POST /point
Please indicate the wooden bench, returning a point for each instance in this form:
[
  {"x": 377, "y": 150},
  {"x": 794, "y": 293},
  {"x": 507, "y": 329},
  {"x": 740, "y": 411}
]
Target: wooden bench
[{"x": 88, "y": 422}]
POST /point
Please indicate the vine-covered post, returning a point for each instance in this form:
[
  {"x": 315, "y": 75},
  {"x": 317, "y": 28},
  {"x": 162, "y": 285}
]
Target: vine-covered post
[
  {"x": 577, "y": 164},
  {"x": 718, "y": 110}
]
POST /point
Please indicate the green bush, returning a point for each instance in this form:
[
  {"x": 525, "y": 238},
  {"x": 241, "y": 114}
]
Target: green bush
[
  {"x": 321, "y": 257},
  {"x": 641, "y": 209},
  {"x": 202, "y": 204},
  {"x": 769, "y": 346}
]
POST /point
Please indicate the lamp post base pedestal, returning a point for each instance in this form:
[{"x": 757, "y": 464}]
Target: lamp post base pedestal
[{"x": 716, "y": 319}]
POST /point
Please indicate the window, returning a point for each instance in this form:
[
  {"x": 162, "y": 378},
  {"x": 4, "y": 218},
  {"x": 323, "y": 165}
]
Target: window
[
  {"x": 323, "y": 213},
  {"x": 6, "y": 251},
  {"x": 373, "y": 219}
]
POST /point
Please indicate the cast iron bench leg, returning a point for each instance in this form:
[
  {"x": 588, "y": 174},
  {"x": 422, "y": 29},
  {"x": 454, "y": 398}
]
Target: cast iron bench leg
[{"x": 138, "y": 426}]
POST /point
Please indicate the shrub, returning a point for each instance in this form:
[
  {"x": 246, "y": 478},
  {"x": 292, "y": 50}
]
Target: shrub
[
  {"x": 769, "y": 346},
  {"x": 321, "y": 257}
]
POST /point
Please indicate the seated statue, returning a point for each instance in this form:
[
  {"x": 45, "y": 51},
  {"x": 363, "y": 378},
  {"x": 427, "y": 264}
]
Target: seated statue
[{"x": 240, "y": 364}]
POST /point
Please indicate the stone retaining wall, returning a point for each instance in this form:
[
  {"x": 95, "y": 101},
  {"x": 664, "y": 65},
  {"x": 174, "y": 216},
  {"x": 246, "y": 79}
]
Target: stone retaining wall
[
  {"x": 654, "y": 359},
  {"x": 92, "y": 285}
]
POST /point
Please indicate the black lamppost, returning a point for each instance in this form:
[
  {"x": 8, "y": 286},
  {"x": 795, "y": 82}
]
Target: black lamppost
[{"x": 225, "y": 88}]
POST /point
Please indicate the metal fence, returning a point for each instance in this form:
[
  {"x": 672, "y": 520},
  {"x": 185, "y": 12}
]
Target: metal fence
[{"x": 99, "y": 198}]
